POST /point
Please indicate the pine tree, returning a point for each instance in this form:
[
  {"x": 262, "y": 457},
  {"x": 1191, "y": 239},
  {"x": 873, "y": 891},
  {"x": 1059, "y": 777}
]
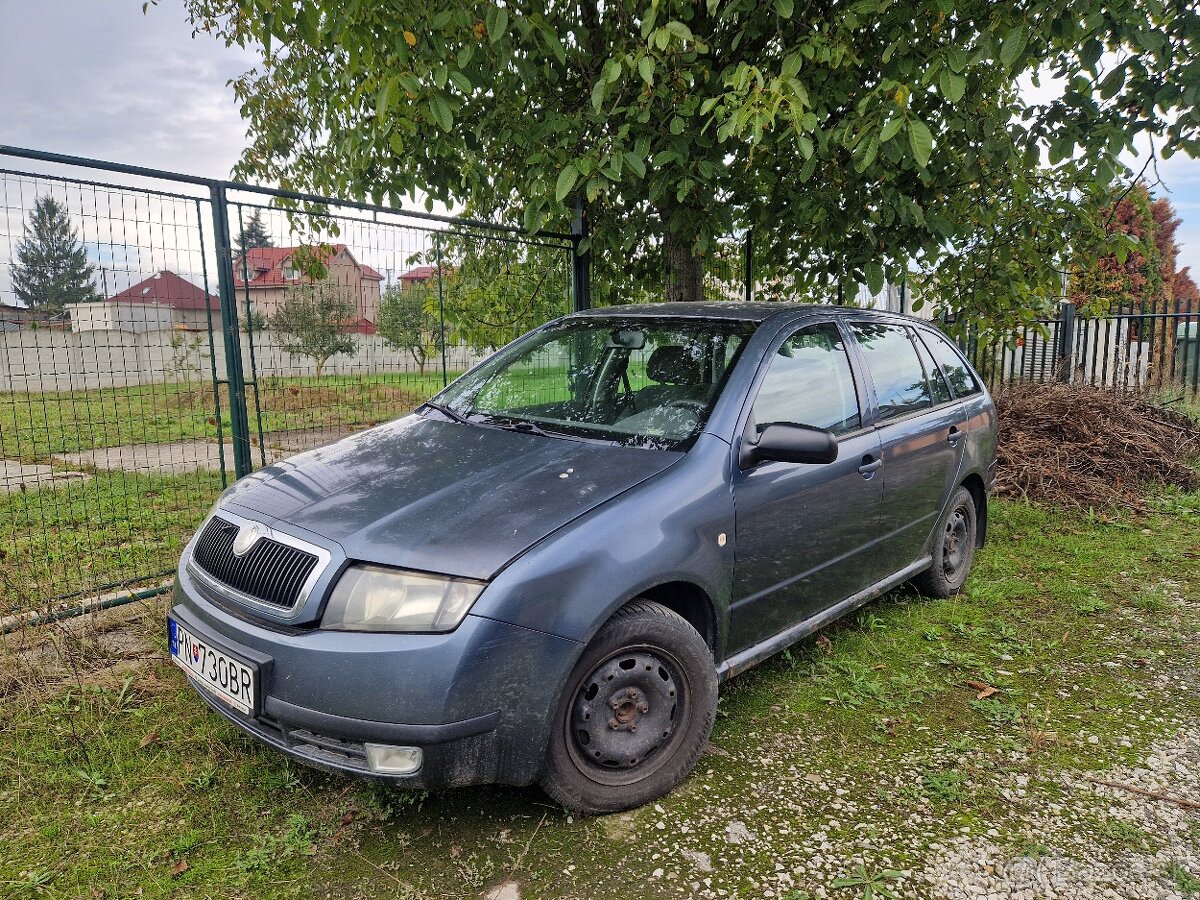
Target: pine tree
[
  {"x": 52, "y": 269},
  {"x": 254, "y": 233}
]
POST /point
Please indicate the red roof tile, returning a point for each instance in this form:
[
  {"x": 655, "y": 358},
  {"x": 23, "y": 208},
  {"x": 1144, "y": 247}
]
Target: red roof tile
[{"x": 167, "y": 289}]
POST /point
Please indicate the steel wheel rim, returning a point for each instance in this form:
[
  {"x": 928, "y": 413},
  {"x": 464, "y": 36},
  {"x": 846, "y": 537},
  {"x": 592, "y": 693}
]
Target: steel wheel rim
[
  {"x": 650, "y": 703},
  {"x": 956, "y": 544}
]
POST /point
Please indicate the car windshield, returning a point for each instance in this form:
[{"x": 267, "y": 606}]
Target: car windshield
[{"x": 640, "y": 382}]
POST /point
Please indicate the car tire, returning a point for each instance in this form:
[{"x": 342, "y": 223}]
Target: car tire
[
  {"x": 648, "y": 667},
  {"x": 953, "y": 548}
]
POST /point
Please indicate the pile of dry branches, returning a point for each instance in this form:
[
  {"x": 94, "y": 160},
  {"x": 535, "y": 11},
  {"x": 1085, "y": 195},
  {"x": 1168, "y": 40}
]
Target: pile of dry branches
[{"x": 1083, "y": 447}]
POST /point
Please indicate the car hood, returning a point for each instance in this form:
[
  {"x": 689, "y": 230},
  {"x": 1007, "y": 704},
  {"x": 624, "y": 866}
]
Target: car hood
[{"x": 441, "y": 496}]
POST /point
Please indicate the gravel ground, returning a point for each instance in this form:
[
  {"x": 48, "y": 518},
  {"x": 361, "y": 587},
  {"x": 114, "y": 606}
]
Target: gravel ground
[{"x": 1076, "y": 867}]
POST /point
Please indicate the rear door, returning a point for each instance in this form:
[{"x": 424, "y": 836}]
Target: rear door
[
  {"x": 921, "y": 431},
  {"x": 801, "y": 528}
]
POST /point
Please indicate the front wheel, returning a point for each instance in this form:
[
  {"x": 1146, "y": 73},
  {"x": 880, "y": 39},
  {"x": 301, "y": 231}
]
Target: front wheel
[
  {"x": 635, "y": 715},
  {"x": 953, "y": 548}
]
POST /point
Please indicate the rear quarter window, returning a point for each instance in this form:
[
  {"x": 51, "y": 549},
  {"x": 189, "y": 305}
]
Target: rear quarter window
[{"x": 950, "y": 361}]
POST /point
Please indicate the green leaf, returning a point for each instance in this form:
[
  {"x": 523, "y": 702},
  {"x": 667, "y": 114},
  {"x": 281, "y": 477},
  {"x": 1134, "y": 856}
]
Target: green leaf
[
  {"x": 791, "y": 65},
  {"x": 566, "y": 182},
  {"x": 952, "y": 86},
  {"x": 890, "y": 129},
  {"x": 383, "y": 100},
  {"x": 646, "y": 69},
  {"x": 636, "y": 163},
  {"x": 785, "y": 8},
  {"x": 806, "y": 171},
  {"x": 497, "y": 24},
  {"x": 870, "y": 151},
  {"x": 677, "y": 125},
  {"x": 680, "y": 30},
  {"x": 1012, "y": 45},
  {"x": 875, "y": 277},
  {"x": 461, "y": 81},
  {"x": 806, "y": 146},
  {"x": 599, "y": 92},
  {"x": 920, "y": 140},
  {"x": 442, "y": 112}
]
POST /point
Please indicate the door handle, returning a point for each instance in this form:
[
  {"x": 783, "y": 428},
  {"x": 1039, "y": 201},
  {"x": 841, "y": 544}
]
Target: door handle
[
  {"x": 953, "y": 436},
  {"x": 870, "y": 465}
]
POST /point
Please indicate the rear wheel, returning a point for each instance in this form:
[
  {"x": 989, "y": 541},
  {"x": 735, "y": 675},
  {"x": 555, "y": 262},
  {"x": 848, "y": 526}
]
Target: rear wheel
[
  {"x": 635, "y": 715},
  {"x": 953, "y": 548}
]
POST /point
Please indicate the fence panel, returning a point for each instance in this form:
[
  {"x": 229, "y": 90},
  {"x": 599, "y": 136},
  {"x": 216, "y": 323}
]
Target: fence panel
[
  {"x": 1155, "y": 352},
  {"x": 112, "y": 420},
  {"x": 118, "y": 427},
  {"x": 351, "y": 317}
]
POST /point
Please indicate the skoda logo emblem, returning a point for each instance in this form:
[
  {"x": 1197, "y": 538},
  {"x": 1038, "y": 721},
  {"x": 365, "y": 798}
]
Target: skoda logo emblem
[{"x": 245, "y": 539}]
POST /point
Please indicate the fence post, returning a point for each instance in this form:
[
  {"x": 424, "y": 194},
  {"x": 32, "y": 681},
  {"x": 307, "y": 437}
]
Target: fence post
[
  {"x": 437, "y": 244},
  {"x": 1066, "y": 341},
  {"x": 748, "y": 250},
  {"x": 581, "y": 263},
  {"x": 239, "y": 423}
]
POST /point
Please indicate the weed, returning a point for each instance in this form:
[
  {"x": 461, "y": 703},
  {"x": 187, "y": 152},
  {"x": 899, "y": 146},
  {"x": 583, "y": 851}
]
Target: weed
[
  {"x": 996, "y": 710},
  {"x": 873, "y": 884},
  {"x": 1188, "y": 884},
  {"x": 944, "y": 785}
]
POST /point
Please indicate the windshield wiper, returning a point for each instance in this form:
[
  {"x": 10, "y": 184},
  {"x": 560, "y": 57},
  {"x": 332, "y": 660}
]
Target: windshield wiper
[
  {"x": 522, "y": 425},
  {"x": 449, "y": 413}
]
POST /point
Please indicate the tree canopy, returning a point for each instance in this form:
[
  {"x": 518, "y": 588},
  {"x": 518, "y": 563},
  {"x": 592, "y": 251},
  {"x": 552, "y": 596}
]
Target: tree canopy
[
  {"x": 312, "y": 319},
  {"x": 51, "y": 268},
  {"x": 858, "y": 139},
  {"x": 1148, "y": 277}
]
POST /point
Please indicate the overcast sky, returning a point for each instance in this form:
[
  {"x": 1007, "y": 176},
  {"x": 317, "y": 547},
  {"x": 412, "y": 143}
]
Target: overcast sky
[{"x": 98, "y": 78}]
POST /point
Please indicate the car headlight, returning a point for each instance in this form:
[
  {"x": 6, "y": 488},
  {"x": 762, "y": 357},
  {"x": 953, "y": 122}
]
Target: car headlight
[{"x": 375, "y": 598}]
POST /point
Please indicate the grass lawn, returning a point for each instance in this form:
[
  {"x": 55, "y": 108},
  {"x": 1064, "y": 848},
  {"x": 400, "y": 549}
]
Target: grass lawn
[
  {"x": 863, "y": 746},
  {"x": 33, "y": 426},
  {"x": 83, "y": 536}
]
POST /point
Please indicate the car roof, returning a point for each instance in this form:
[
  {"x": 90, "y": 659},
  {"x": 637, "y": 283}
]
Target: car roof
[{"x": 754, "y": 311}]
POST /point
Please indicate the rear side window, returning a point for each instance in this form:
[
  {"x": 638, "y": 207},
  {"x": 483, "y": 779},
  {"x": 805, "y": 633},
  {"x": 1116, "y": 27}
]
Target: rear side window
[
  {"x": 900, "y": 385},
  {"x": 937, "y": 382},
  {"x": 809, "y": 382},
  {"x": 951, "y": 364}
]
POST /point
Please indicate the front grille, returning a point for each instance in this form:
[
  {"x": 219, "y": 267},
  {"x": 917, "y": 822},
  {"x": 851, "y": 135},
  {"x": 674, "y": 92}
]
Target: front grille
[{"x": 270, "y": 572}]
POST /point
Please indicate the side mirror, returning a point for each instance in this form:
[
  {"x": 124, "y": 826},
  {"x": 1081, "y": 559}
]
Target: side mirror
[{"x": 790, "y": 443}]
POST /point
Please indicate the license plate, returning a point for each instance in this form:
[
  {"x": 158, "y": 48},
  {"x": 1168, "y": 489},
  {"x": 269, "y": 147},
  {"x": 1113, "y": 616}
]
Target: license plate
[{"x": 226, "y": 678}]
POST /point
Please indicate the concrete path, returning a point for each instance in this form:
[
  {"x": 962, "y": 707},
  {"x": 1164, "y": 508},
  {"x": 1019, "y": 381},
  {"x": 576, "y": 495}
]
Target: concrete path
[
  {"x": 188, "y": 456},
  {"x": 18, "y": 476}
]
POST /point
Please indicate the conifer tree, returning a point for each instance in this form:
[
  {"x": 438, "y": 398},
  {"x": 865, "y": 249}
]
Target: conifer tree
[{"x": 52, "y": 268}]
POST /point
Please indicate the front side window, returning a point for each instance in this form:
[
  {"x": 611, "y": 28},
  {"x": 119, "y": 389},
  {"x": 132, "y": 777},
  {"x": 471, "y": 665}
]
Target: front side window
[
  {"x": 643, "y": 382},
  {"x": 809, "y": 382},
  {"x": 900, "y": 385},
  {"x": 951, "y": 364}
]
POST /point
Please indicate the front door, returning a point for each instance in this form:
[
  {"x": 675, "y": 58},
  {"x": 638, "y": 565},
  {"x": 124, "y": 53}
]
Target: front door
[{"x": 801, "y": 528}]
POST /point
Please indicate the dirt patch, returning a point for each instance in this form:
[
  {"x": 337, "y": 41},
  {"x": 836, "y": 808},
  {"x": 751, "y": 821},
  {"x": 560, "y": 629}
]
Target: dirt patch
[
  {"x": 97, "y": 649},
  {"x": 1082, "y": 447}
]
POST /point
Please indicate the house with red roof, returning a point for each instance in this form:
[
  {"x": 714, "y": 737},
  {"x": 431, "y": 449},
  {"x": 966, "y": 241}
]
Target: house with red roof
[
  {"x": 163, "y": 301},
  {"x": 266, "y": 274}
]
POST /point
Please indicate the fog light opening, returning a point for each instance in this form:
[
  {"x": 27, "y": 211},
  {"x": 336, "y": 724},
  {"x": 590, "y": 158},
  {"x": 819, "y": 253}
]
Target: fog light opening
[{"x": 387, "y": 760}]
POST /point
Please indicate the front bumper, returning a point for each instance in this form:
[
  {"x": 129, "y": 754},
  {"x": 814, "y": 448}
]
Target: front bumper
[{"x": 478, "y": 701}]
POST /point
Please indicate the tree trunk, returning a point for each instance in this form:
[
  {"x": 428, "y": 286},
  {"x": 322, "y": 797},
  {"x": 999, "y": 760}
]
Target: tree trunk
[{"x": 684, "y": 270}]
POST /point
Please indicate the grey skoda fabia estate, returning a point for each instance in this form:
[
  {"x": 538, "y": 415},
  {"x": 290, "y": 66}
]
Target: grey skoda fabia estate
[{"x": 543, "y": 573}]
